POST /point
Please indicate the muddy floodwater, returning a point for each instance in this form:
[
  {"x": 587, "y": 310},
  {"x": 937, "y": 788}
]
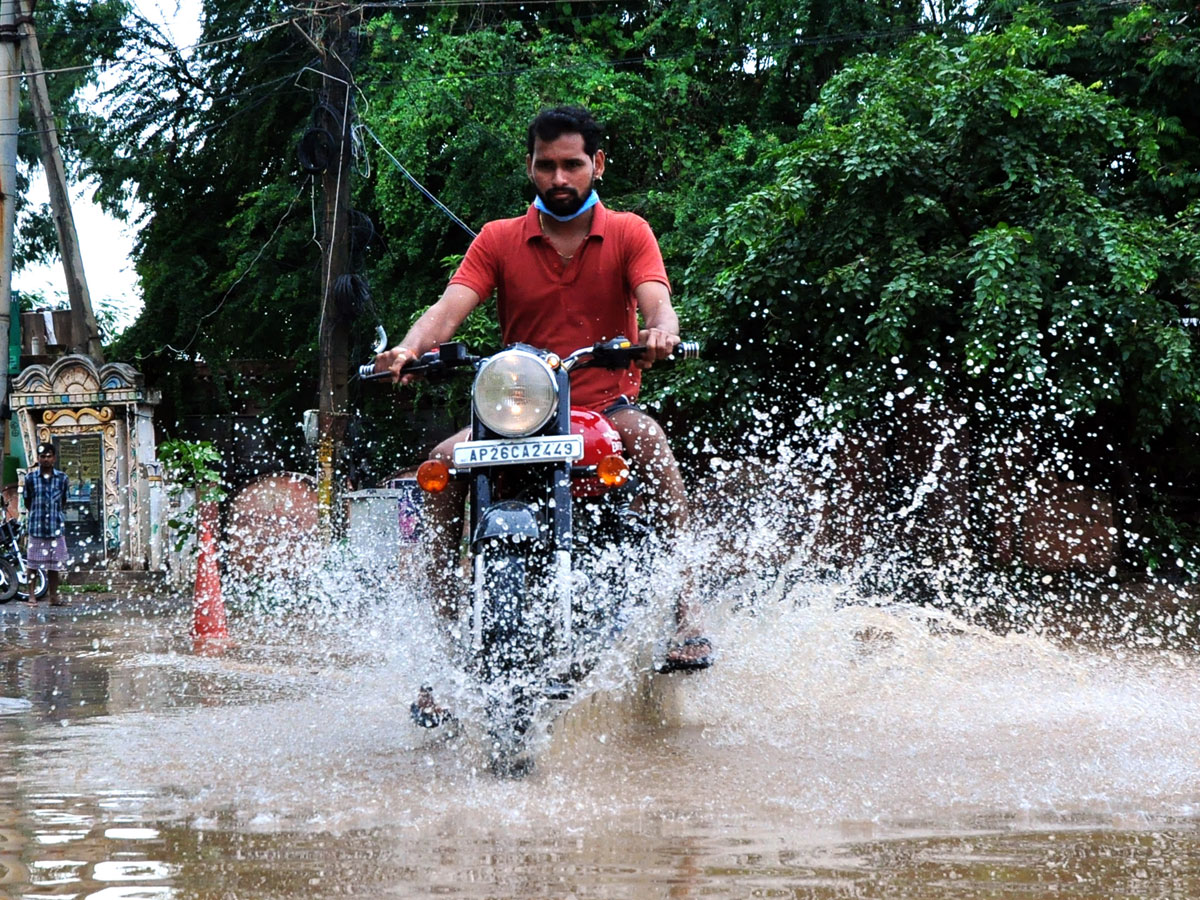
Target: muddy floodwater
[{"x": 836, "y": 750}]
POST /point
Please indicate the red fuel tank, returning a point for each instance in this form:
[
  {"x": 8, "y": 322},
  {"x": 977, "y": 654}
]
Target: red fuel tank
[{"x": 600, "y": 439}]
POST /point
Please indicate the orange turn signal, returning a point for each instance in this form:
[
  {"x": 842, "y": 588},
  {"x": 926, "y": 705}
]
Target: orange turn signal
[
  {"x": 432, "y": 476},
  {"x": 612, "y": 471}
]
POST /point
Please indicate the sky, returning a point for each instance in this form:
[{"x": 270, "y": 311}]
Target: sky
[{"x": 104, "y": 242}]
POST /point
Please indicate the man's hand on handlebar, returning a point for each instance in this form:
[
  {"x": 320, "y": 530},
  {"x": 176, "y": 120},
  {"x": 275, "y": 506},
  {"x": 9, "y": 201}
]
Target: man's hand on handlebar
[
  {"x": 659, "y": 344},
  {"x": 393, "y": 361}
]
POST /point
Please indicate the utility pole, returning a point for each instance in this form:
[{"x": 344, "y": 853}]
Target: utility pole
[
  {"x": 9, "y": 99},
  {"x": 84, "y": 330},
  {"x": 334, "y": 341}
]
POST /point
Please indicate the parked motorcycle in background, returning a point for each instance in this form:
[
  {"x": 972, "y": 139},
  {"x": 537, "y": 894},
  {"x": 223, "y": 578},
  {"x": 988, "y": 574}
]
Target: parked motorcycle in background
[
  {"x": 8, "y": 580},
  {"x": 17, "y": 577}
]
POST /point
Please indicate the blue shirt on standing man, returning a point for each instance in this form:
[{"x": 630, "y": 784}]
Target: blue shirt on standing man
[{"x": 46, "y": 501}]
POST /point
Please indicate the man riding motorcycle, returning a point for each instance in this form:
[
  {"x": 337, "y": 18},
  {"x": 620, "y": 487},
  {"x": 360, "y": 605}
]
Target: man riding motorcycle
[{"x": 567, "y": 273}]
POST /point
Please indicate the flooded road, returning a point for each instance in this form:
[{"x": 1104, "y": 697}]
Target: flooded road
[{"x": 836, "y": 750}]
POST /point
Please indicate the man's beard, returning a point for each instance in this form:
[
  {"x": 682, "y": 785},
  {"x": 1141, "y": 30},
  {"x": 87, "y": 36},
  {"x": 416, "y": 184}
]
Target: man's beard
[{"x": 568, "y": 202}]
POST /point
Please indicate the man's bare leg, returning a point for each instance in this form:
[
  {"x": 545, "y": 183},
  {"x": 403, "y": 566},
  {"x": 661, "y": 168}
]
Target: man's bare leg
[
  {"x": 53, "y": 578},
  {"x": 666, "y": 502},
  {"x": 443, "y": 519},
  {"x": 442, "y": 516}
]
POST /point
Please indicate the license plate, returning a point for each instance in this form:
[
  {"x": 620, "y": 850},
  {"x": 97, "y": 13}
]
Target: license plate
[{"x": 519, "y": 450}]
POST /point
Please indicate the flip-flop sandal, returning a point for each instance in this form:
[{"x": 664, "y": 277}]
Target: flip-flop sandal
[
  {"x": 428, "y": 715},
  {"x": 428, "y": 718},
  {"x": 694, "y": 664}
]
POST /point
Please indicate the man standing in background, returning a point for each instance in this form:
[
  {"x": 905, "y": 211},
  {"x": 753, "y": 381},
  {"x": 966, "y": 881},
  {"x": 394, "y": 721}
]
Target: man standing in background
[{"x": 46, "y": 504}]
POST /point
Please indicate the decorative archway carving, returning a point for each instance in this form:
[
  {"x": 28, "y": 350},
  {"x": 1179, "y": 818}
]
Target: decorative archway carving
[{"x": 73, "y": 396}]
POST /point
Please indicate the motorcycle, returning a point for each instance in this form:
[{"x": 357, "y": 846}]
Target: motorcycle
[
  {"x": 24, "y": 578},
  {"x": 549, "y": 483}
]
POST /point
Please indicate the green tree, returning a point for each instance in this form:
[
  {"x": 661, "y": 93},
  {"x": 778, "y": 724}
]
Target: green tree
[
  {"x": 203, "y": 140},
  {"x": 679, "y": 87},
  {"x": 1147, "y": 56},
  {"x": 954, "y": 222},
  {"x": 77, "y": 38},
  {"x": 691, "y": 93}
]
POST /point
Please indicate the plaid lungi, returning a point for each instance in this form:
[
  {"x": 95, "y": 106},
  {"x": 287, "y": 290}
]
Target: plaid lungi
[{"x": 48, "y": 553}]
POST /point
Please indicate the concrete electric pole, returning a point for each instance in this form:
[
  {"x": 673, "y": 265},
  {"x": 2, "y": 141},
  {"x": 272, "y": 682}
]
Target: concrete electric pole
[
  {"x": 335, "y": 115},
  {"x": 84, "y": 330},
  {"x": 9, "y": 98}
]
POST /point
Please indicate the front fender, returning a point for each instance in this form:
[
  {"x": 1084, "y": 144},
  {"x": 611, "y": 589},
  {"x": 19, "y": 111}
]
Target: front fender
[{"x": 508, "y": 520}]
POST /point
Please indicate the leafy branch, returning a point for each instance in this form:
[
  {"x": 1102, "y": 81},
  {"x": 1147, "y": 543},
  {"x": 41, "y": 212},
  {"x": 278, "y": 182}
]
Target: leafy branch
[{"x": 191, "y": 466}]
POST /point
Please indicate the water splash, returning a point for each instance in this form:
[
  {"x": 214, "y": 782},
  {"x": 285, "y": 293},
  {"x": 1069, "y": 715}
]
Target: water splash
[
  {"x": 838, "y": 700},
  {"x": 825, "y": 708}
]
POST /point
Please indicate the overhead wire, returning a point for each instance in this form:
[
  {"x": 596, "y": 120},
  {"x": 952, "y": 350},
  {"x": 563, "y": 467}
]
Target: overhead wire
[
  {"x": 420, "y": 187},
  {"x": 264, "y": 91},
  {"x": 341, "y": 171},
  {"x": 250, "y": 32},
  {"x": 266, "y": 88}
]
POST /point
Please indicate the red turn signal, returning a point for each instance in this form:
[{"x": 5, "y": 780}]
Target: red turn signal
[
  {"x": 432, "y": 476},
  {"x": 612, "y": 471}
]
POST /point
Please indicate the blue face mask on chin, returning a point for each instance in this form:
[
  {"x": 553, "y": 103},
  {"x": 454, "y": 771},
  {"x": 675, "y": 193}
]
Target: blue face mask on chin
[{"x": 592, "y": 199}]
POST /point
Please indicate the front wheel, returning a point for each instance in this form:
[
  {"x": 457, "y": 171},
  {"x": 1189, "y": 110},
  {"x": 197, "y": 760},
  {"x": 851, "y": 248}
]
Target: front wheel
[
  {"x": 509, "y": 627},
  {"x": 8, "y": 580},
  {"x": 29, "y": 577}
]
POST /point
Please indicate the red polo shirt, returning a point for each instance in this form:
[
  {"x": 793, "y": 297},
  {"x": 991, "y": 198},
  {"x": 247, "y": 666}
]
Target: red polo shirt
[{"x": 541, "y": 300}]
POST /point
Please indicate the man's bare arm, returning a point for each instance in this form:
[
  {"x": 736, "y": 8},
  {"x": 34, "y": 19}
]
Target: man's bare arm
[
  {"x": 660, "y": 331},
  {"x": 435, "y": 326}
]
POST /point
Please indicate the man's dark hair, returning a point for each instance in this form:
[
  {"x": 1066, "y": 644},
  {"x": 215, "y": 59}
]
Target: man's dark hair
[{"x": 551, "y": 124}]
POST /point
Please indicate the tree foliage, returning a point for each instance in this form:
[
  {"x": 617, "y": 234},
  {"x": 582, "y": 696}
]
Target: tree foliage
[
  {"x": 957, "y": 222},
  {"x": 994, "y": 227},
  {"x": 690, "y": 93},
  {"x": 77, "y": 38},
  {"x": 679, "y": 87},
  {"x": 1145, "y": 55},
  {"x": 203, "y": 141},
  {"x": 877, "y": 199}
]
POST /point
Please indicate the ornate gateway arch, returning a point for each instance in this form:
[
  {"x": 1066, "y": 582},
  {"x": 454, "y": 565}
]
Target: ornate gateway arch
[{"x": 101, "y": 420}]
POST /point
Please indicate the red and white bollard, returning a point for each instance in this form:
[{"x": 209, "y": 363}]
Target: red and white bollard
[{"x": 210, "y": 631}]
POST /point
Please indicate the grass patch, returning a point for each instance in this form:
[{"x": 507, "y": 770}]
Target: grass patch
[{"x": 92, "y": 587}]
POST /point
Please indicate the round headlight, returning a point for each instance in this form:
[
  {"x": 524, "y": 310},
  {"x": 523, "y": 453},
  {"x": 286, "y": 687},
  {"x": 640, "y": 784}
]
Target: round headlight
[{"x": 515, "y": 393}]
